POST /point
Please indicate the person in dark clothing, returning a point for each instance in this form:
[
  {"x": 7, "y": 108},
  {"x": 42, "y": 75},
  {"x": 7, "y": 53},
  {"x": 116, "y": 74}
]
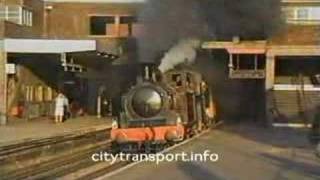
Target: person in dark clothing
[{"x": 315, "y": 130}]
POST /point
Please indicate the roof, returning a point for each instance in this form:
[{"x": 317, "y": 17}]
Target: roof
[
  {"x": 130, "y": 1},
  {"x": 300, "y": 1},
  {"x": 47, "y": 46}
]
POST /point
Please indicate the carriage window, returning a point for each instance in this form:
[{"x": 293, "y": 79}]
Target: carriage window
[{"x": 177, "y": 78}]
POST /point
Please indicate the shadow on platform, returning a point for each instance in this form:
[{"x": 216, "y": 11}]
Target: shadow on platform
[
  {"x": 195, "y": 171},
  {"x": 307, "y": 169},
  {"x": 278, "y": 137}
]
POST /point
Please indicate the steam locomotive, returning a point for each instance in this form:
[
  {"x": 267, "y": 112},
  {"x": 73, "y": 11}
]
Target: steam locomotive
[{"x": 159, "y": 111}]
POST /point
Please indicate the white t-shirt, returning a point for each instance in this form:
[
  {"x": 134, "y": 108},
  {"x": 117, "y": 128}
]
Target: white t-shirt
[{"x": 61, "y": 101}]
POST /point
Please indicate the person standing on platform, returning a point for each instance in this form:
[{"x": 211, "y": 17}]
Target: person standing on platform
[
  {"x": 315, "y": 130},
  {"x": 61, "y": 106}
]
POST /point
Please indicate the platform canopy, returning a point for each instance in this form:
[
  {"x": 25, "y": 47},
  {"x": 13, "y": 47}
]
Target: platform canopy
[{"x": 47, "y": 46}]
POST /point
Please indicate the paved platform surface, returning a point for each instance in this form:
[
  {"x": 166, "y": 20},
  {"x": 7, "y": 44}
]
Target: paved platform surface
[
  {"x": 246, "y": 152},
  {"x": 18, "y": 131}
]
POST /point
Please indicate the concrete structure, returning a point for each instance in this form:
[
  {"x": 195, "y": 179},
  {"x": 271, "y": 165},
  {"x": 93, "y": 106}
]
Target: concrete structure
[
  {"x": 287, "y": 63},
  {"x": 49, "y": 45}
]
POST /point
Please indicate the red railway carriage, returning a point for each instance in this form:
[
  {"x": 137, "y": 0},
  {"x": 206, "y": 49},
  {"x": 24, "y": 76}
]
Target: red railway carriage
[{"x": 164, "y": 111}]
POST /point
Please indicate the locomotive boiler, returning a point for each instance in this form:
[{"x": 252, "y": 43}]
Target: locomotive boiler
[{"x": 160, "y": 111}]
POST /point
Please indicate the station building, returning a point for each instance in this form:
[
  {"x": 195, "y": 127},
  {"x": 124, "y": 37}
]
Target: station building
[
  {"x": 286, "y": 65},
  {"x": 84, "y": 46},
  {"x": 48, "y": 46}
]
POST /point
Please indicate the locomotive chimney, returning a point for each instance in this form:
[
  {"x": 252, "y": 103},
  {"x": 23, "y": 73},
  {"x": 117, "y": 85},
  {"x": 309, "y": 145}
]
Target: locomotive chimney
[{"x": 236, "y": 39}]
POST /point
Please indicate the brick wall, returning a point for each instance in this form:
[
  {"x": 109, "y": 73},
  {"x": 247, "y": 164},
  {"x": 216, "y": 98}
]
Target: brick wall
[{"x": 72, "y": 21}]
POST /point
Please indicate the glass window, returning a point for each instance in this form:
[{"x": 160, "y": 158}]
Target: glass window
[
  {"x": 30, "y": 93},
  {"x": 16, "y": 14},
  {"x": 26, "y": 17},
  {"x": 27, "y": 93},
  {"x": 126, "y": 25},
  {"x": 2, "y": 12},
  {"x": 48, "y": 94},
  {"x": 177, "y": 78},
  {"x": 102, "y": 25},
  {"x": 39, "y": 94},
  {"x": 30, "y": 19},
  {"x": 302, "y": 14}
]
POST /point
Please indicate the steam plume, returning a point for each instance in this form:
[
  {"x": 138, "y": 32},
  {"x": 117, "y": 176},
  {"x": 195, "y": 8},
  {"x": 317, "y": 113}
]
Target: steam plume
[{"x": 183, "y": 52}]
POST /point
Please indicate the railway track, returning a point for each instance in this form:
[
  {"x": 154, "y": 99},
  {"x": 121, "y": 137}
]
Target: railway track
[
  {"x": 77, "y": 165},
  {"x": 51, "y": 157},
  {"x": 10, "y": 150}
]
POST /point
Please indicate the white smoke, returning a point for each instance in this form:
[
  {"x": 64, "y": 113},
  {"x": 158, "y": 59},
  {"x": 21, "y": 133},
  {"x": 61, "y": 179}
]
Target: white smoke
[{"x": 183, "y": 52}]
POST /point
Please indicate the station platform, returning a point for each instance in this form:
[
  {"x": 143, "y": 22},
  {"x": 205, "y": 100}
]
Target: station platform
[{"x": 18, "y": 131}]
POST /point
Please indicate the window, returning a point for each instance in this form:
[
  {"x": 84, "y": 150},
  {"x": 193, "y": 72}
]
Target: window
[
  {"x": 10, "y": 13},
  {"x": 302, "y": 14},
  {"x": 26, "y": 17},
  {"x": 177, "y": 78},
  {"x": 48, "y": 94},
  {"x": 127, "y": 25},
  {"x": 29, "y": 93},
  {"x": 114, "y": 26},
  {"x": 102, "y": 25},
  {"x": 39, "y": 94},
  {"x": 16, "y": 14}
]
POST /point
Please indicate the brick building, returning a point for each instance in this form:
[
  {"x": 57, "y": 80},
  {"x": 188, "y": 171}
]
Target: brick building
[
  {"x": 46, "y": 44},
  {"x": 286, "y": 65},
  {"x": 50, "y": 45}
]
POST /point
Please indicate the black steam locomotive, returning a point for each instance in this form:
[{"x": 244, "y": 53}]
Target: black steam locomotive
[{"x": 163, "y": 108}]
